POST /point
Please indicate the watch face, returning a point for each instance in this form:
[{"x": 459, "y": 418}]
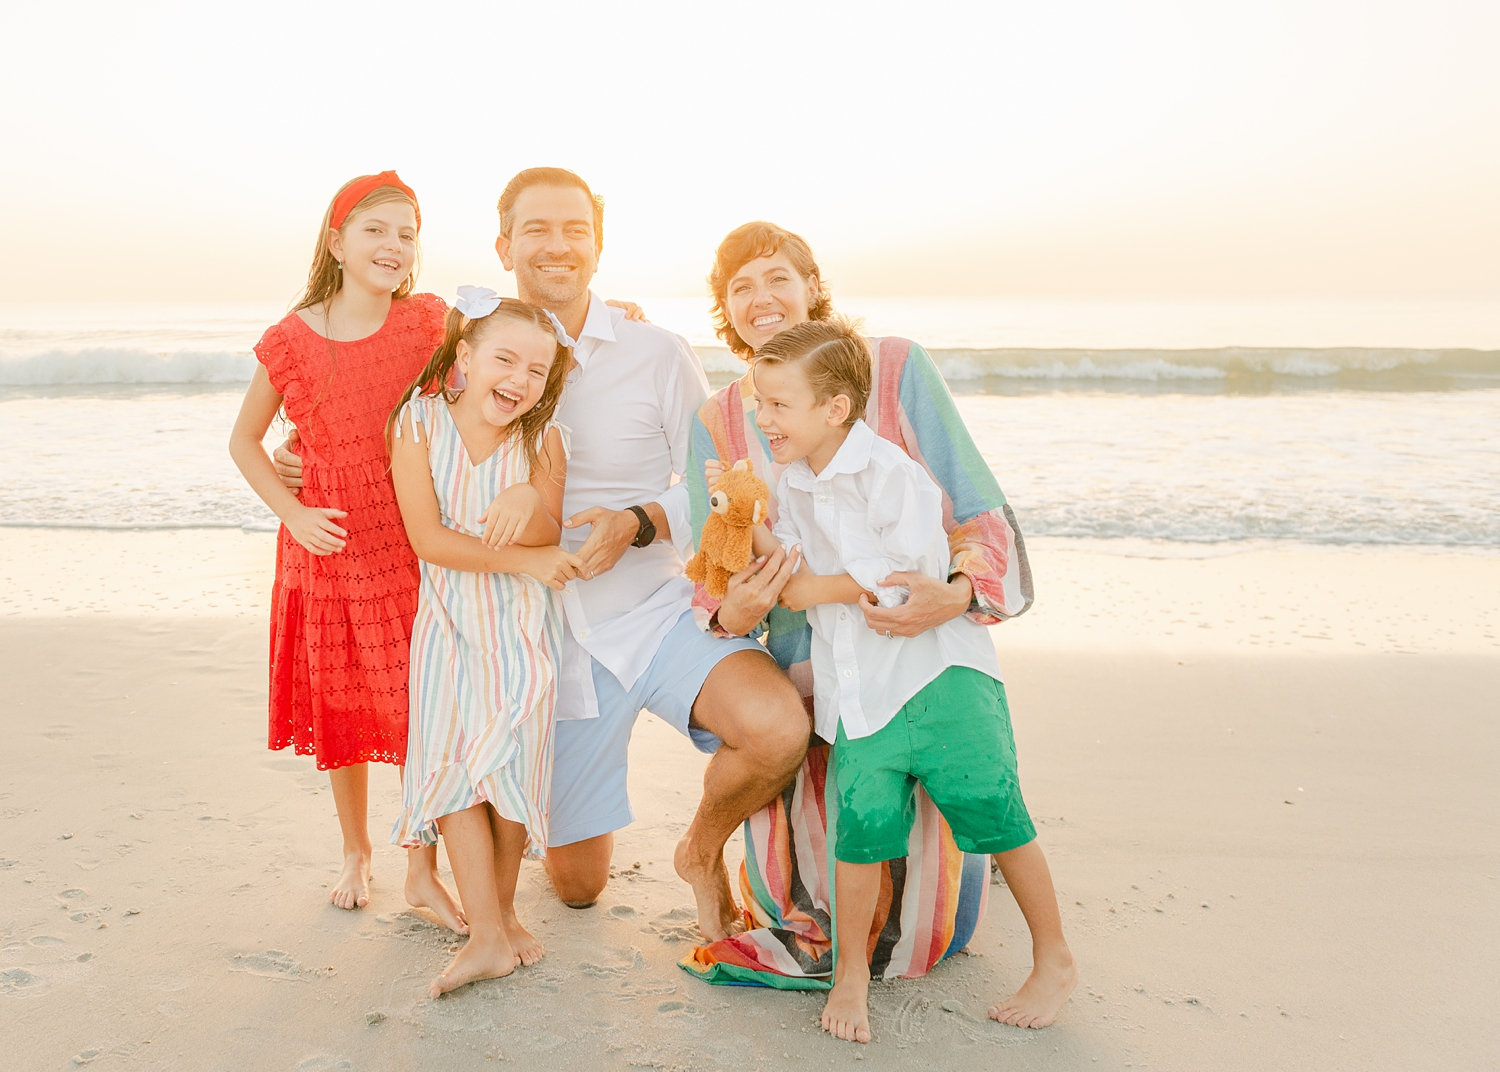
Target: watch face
[{"x": 647, "y": 531}]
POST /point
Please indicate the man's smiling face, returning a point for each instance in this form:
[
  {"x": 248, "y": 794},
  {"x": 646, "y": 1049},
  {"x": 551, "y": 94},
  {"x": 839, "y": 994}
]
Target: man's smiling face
[{"x": 552, "y": 246}]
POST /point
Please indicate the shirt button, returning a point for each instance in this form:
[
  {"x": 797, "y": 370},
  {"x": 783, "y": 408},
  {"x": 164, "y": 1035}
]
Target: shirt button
[{"x": 848, "y": 673}]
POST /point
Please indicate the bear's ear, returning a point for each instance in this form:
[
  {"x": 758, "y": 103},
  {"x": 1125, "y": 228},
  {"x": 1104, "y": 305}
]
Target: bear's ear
[
  {"x": 743, "y": 463},
  {"x": 759, "y": 513}
]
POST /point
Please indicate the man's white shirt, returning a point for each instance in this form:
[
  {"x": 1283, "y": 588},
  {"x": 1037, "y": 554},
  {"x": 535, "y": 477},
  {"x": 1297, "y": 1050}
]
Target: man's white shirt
[{"x": 629, "y": 408}]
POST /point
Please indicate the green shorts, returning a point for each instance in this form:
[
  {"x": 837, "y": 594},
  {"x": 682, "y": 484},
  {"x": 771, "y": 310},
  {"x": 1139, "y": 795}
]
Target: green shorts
[{"x": 953, "y": 738}]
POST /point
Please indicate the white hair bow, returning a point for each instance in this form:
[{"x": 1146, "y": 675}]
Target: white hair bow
[{"x": 475, "y": 302}]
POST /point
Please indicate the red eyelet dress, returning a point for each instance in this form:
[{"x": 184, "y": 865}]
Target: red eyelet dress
[{"x": 341, "y": 623}]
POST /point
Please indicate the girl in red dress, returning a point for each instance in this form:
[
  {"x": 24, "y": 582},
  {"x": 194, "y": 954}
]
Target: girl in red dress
[{"x": 346, "y": 577}]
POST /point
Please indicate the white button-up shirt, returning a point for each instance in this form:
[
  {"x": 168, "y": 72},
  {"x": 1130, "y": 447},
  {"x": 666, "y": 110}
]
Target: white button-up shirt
[
  {"x": 871, "y": 512},
  {"x": 629, "y": 407}
]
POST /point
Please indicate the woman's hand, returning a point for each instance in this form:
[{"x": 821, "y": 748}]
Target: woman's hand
[
  {"x": 932, "y": 602},
  {"x": 313, "y": 528},
  {"x": 754, "y": 590},
  {"x": 553, "y": 566},
  {"x": 507, "y": 517}
]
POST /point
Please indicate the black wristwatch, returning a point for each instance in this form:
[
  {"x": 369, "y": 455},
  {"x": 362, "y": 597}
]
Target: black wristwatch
[{"x": 646, "y": 534}]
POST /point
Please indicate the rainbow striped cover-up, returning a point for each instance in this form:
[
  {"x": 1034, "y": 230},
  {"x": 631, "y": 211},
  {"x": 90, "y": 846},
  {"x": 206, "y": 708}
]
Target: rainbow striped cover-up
[{"x": 932, "y": 899}]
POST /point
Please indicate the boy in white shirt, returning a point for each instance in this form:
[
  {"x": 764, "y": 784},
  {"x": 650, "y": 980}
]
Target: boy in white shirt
[{"x": 901, "y": 711}]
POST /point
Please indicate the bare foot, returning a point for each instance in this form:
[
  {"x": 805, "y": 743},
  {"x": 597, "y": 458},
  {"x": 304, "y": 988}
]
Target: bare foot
[
  {"x": 425, "y": 890},
  {"x": 1041, "y": 996},
  {"x": 522, "y": 941},
  {"x": 718, "y": 915},
  {"x": 352, "y": 890},
  {"x": 476, "y": 960},
  {"x": 847, "y": 1013}
]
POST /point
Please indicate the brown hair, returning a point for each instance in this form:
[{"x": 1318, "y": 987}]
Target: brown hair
[
  {"x": 741, "y": 246},
  {"x": 325, "y": 278},
  {"x": 547, "y": 176},
  {"x": 435, "y": 376},
  {"x": 833, "y": 356}
]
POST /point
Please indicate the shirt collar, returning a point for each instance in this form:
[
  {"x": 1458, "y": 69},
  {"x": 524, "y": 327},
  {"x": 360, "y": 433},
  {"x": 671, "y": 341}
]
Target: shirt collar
[
  {"x": 599, "y": 322},
  {"x": 852, "y": 457}
]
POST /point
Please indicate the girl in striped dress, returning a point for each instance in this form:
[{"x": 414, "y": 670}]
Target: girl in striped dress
[{"x": 479, "y": 477}]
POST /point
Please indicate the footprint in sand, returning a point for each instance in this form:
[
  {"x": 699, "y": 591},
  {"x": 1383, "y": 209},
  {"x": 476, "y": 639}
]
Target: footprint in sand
[
  {"x": 624, "y": 911},
  {"x": 628, "y": 960},
  {"x": 678, "y": 925},
  {"x": 681, "y": 1009},
  {"x": 270, "y": 964},
  {"x": 16, "y": 979},
  {"x": 324, "y": 1062}
]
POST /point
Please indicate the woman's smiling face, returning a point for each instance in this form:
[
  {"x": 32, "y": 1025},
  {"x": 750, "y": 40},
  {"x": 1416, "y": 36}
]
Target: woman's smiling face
[{"x": 767, "y": 296}]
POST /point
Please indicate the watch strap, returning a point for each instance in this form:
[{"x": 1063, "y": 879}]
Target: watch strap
[{"x": 646, "y": 532}]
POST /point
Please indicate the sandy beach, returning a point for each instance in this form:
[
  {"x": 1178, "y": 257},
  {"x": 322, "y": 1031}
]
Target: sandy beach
[{"x": 1264, "y": 781}]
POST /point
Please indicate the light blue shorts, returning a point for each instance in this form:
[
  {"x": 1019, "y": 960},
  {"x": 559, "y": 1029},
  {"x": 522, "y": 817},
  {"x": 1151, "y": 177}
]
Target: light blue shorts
[{"x": 591, "y": 755}]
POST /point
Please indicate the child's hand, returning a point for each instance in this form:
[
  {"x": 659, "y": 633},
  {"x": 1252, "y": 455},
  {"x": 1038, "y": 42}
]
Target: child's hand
[
  {"x": 712, "y": 470},
  {"x": 553, "y": 566},
  {"x": 313, "y": 528},
  {"x": 507, "y": 517}
]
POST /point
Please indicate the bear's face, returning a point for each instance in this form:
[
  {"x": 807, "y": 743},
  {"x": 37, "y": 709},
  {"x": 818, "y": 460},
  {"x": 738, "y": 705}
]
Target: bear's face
[{"x": 739, "y": 497}]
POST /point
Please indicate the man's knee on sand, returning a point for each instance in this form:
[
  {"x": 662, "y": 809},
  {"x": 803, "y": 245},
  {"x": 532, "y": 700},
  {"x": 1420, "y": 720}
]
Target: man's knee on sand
[{"x": 580, "y": 871}]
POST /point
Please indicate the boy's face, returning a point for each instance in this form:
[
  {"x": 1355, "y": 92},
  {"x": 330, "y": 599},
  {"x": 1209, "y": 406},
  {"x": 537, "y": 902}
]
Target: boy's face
[{"x": 796, "y": 424}]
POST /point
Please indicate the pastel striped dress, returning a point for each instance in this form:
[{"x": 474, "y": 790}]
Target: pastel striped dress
[{"x": 483, "y": 660}]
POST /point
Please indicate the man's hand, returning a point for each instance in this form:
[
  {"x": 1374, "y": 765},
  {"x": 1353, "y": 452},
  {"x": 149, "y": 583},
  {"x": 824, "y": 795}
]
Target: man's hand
[
  {"x": 932, "y": 602},
  {"x": 754, "y": 590},
  {"x": 611, "y": 533},
  {"x": 288, "y": 463}
]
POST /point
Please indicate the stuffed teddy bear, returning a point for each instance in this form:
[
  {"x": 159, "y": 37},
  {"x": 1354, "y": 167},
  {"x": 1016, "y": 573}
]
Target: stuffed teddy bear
[{"x": 739, "y": 500}]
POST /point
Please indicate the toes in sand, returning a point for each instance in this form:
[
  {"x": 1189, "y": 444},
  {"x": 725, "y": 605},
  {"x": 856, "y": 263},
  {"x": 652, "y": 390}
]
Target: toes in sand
[
  {"x": 1040, "y": 998},
  {"x": 847, "y": 1013},
  {"x": 425, "y": 890},
  {"x": 352, "y": 889},
  {"x": 475, "y": 961},
  {"x": 718, "y": 915},
  {"x": 526, "y": 945}
]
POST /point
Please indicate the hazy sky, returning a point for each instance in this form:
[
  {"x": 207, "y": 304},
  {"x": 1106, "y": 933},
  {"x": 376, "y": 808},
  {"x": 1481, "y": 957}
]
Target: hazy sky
[{"x": 187, "y": 151}]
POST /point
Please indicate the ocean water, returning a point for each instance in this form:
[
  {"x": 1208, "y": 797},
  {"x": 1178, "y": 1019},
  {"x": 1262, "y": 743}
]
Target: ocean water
[{"x": 1172, "y": 426}]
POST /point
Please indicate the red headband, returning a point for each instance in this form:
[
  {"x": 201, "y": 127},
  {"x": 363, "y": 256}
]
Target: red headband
[{"x": 361, "y": 188}]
